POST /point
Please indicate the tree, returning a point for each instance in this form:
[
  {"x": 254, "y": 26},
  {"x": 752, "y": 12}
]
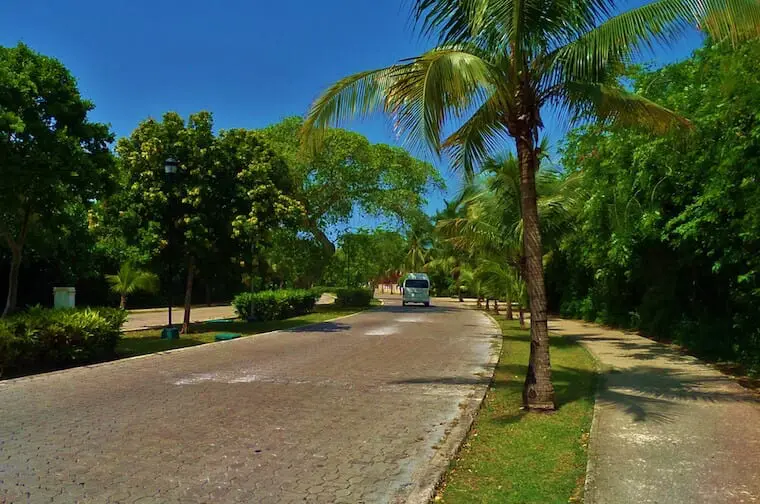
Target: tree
[
  {"x": 228, "y": 193},
  {"x": 665, "y": 236},
  {"x": 500, "y": 63},
  {"x": 52, "y": 156},
  {"x": 130, "y": 279},
  {"x": 349, "y": 174}
]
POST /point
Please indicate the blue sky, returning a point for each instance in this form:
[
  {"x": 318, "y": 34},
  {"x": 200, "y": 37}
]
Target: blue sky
[{"x": 250, "y": 62}]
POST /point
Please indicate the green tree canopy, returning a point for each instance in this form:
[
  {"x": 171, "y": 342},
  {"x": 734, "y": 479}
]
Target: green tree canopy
[
  {"x": 52, "y": 156},
  {"x": 228, "y": 193},
  {"x": 347, "y": 174},
  {"x": 666, "y": 234}
]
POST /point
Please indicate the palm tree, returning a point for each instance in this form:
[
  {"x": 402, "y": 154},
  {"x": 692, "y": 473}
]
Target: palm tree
[
  {"x": 499, "y": 64},
  {"x": 129, "y": 280}
]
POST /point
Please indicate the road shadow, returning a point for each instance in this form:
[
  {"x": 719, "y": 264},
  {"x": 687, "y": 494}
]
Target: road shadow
[
  {"x": 414, "y": 309},
  {"x": 444, "y": 380},
  {"x": 327, "y": 327}
]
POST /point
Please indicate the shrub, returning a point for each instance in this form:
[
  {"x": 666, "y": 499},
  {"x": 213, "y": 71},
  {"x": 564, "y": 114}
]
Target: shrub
[
  {"x": 43, "y": 339},
  {"x": 354, "y": 297},
  {"x": 275, "y": 305}
]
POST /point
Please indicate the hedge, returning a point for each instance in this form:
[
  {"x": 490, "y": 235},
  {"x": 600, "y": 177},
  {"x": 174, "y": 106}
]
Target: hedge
[
  {"x": 42, "y": 339},
  {"x": 275, "y": 305},
  {"x": 354, "y": 297}
]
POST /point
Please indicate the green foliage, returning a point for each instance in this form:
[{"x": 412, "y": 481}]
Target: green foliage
[
  {"x": 348, "y": 173},
  {"x": 366, "y": 257},
  {"x": 274, "y": 305},
  {"x": 131, "y": 279},
  {"x": 43, "y": 339},
  {"x": 354, "y": 297},
  {"x": 666, "y": 232},
  {"x": 53, "y": 158}
]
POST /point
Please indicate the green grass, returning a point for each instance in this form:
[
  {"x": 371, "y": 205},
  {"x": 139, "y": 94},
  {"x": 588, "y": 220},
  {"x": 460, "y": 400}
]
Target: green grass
[
  {"x": 515, "y": 457},
  {"x": 149, "y": 341}
]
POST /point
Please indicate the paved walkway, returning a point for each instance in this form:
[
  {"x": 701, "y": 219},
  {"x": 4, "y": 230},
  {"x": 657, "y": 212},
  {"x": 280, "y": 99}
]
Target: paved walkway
[
  {"x": 348, "y": 411},
  {"x": 157, "y": 317},
  {"x": 667, "y": 428}
]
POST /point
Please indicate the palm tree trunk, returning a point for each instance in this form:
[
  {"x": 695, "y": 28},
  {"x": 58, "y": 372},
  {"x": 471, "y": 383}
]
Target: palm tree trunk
[
  {"x": 510, "y": 315},
  {"x": 488, "y": 304},
  {"x": 188, "y": 295},
  {"x": 123, "y": 302},
  {"x": 522, "y": 316},
  {"x": 496, "y": 306},
  {"x": 538, "y": 391}
]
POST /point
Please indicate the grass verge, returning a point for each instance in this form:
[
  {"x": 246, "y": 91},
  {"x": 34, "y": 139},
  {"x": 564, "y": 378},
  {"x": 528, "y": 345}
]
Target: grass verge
[
  {"x": 515, "y": 457},
  {"x": 149, "y": 341}
]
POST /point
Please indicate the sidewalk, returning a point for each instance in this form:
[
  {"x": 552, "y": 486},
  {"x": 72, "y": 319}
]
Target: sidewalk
[
  {"x": 145, "y": 319},
  {"x": 667, "y": 428},
  {"x": 158, "y": 317}
]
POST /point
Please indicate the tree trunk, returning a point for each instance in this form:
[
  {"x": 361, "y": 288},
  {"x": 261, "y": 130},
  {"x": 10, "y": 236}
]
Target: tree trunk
[
  {"x": 488, "y": 304},
  {"x": 496, "y": 306},
  {"x": 480, "y": 302},
  {"x": 188, "y": 295},
  {"x": 510, "y": 315},
  {"x": 123, "y": 302},
  {"x": 17, "y": 248},
  {"x": 538, "y": 391},
  {"x": 522, "y": 316},
  {"x": 10, "y": 303}
]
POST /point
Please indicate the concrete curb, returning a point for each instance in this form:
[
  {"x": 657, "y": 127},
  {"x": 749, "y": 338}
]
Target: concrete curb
[
  {"x": 167, "y": 352},
  {"x": 588, "y": 484},
  {"x": 424, "y": 488}
]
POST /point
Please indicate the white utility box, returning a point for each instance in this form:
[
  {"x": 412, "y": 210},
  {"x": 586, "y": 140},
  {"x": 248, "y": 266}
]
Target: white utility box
[{"x": 64, "y": 297}]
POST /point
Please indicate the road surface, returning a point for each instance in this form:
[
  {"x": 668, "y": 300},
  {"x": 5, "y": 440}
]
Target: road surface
[{"x": 347, "y": 411}]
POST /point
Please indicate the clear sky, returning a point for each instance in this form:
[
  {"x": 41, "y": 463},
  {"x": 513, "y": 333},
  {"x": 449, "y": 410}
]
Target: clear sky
[{"x": 250, "y": 62}]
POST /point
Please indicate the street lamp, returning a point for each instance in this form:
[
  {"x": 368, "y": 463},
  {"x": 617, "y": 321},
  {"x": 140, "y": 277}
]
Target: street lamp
[{"x": 170, "y": 169}]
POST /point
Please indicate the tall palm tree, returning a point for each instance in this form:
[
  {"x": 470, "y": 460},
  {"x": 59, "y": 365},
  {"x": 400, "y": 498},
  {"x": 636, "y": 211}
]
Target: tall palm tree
[
  {"x": 499, "y": 64},
  {"x": 416, "y": 252},
  {"x": 129, "y": 280}
]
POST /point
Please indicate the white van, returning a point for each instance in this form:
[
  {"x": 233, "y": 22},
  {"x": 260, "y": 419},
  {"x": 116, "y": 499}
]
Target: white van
[{"x": 416, "y": 289}]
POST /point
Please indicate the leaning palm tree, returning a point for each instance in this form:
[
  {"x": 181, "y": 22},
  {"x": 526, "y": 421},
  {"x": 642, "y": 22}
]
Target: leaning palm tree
[
  {"x": 129, "y": 280},
  {"x": 499, "y": 65}
]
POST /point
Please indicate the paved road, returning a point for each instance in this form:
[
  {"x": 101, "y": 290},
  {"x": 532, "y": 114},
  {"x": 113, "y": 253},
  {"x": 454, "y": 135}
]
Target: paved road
[
  {"x": 667, "y": 427},
  {"x": 348, "y": 411}
]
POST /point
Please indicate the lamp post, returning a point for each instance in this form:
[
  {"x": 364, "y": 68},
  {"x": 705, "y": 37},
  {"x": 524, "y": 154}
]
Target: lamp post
[{"x": 170, "y": 169}]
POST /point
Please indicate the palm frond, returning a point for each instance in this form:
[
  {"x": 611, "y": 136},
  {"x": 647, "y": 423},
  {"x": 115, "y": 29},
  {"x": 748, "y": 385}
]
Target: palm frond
[
  {"x": 663, "y": 22},
  {"x": 483, "y": 134},
  {"x": 419, "y": 95},
  {"x": 620, "y": 107}
]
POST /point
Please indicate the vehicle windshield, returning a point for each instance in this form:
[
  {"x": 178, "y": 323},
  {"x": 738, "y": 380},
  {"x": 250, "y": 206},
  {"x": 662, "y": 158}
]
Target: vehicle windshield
[{"x": 416, "y": 284}]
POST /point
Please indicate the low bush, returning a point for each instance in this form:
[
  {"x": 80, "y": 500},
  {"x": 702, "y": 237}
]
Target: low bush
[
  {"x": 43, "y": 339},
  {"x": 354, "y": 297},
  {"x": 275, "y": 305}
]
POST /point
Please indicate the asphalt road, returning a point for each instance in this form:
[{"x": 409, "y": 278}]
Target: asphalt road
[{"x": 347, "y": 411}]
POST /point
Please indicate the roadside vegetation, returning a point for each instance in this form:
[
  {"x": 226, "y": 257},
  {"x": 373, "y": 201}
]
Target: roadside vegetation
[{"x": 507, "y": 447}]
